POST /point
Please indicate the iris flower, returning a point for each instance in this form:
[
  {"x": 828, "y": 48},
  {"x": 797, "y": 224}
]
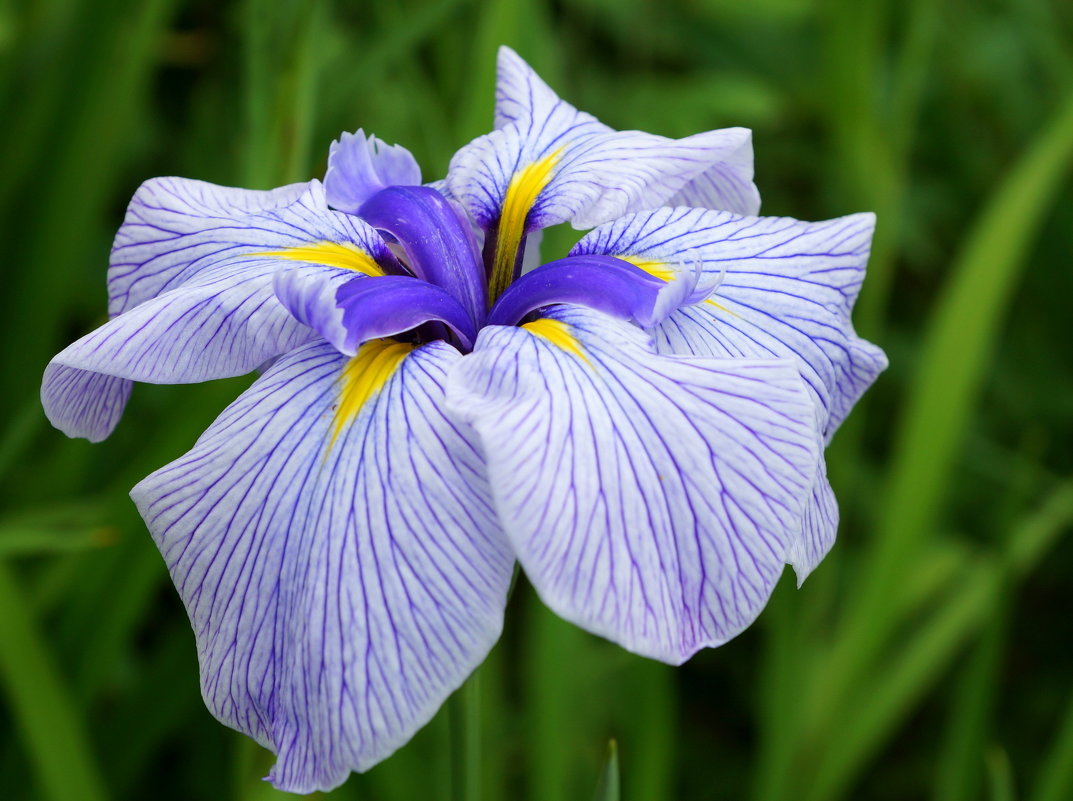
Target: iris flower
[{"x": 639, "y": 424}]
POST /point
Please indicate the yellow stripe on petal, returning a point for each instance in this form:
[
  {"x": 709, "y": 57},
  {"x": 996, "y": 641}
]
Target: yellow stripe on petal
[
  {"x": 557, "y": 333},
  {"x": 658, "y": 269},
  {"x": 364, "y": 376},
  {"x": 663, "y": 271},
  {"x": 524, "y": 188},
  {"x": 331, "y": 254}
]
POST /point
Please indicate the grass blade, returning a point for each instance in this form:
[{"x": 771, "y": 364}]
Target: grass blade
[
  {"x": 958, "y": 341},
  {"x": 608, "y": 788},
  {"x": 41, "y": 705},
  {"x": 874, "y": 711},
  {"x": 1055, "y": 782}
]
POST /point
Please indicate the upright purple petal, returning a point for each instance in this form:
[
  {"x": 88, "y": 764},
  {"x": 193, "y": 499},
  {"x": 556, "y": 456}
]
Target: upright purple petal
[
  {"x": 335, "y": 545},
  {"x": 359, "y": 166},
  {"x": 650, "y": 499},
  {"x": 436, "y": 237}
]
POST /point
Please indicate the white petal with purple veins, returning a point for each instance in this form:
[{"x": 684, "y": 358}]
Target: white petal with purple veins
[
  {"x": 83, "y": 404},
  {"x": 225, "y": 323},
  {"x": 191, "y": 291},
  {"x": 339, "y": 558},
  {"x": 565, "y": 170},
  {"x": 170, "y": 224},
  {"x": 175, "y": 228},
  {"x": 650, "y": 499},
  {"x": 726, "y": 182},
  {"x": 786, "y": 290}
]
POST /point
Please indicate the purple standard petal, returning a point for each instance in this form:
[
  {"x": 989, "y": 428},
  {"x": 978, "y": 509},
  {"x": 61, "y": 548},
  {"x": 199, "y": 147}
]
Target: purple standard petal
[
  {"x": 335, "y": 545},
  {"x": 359, "y": 166},
  {"x": 351, "y": 313},
  {"x": 786, "y": 289},
  {"x": 437, "y": 238},
  {"x": 650, "y": 499},
  {"x": 606, "y": 284}
]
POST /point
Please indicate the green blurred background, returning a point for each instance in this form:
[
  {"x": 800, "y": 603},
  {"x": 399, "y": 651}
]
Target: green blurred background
[{"x": 927, "y": 658}]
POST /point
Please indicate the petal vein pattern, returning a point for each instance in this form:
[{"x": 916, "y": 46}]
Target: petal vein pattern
[
  {"x": 191, "y": 287},
  {"x": 725, "y": 183},
  {"x": 786, "y": 290},
  {"x": 176, "y": 228},
  {"x": 650, "y": 499},
  {"x": 338, "y": 593}
]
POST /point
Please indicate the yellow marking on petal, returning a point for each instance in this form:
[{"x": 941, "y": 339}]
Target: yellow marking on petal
[
  {"x": 524, "y": 188},
  {"x": 658, "y": 269},
  {"x": 559, "y": 334},
  {"x": 332, "y": 254},
  {"x": 662, "y": 271},
  {"x": 364, "y": 376}
]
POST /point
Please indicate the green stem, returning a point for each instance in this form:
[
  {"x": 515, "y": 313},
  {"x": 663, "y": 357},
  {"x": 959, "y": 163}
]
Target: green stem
[{"x": 465, "y": 715}]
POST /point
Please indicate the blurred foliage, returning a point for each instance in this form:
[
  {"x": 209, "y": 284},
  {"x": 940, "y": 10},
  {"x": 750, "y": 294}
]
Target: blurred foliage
[{"x": 927, "y": 657}]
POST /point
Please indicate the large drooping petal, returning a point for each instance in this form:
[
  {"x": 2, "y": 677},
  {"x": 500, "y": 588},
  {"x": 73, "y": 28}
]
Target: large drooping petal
[
  {"x": 359, "y": 166},
  {"x": 212, "y": 312},
  {"x": 726, "y": 184},
  {"x": 786, "y": 289},
  {"x": 335, "y": 545},
  {"x": 651, "y": 499},
  {"x": 176, "y": 228}
]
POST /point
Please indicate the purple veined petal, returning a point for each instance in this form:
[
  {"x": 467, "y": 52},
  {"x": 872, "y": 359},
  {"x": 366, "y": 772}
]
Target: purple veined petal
[
  {"x": 333, "y": 540},
  {"x": 436, "y": 236},
  {"x": 169, "y": 225},
  {"x": 225, "y": 323},
  {"x": 787, "y": 290},
  {"x": 194, "y": 283},
  {"x": 556, "y": 168},
  {"x": 83, "y": 404},
  {"x": 604, "y": 283},
  {"x": 650, "y": 499},
  {"x": 348, "y": 312},
  {"x": 359, "y": 166},
  {"x": 176, "y": 228},
  {"x": 521, "y": 93},
  {"x": 819, "y": 527},
  {"x": 726, "y": 184}
]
